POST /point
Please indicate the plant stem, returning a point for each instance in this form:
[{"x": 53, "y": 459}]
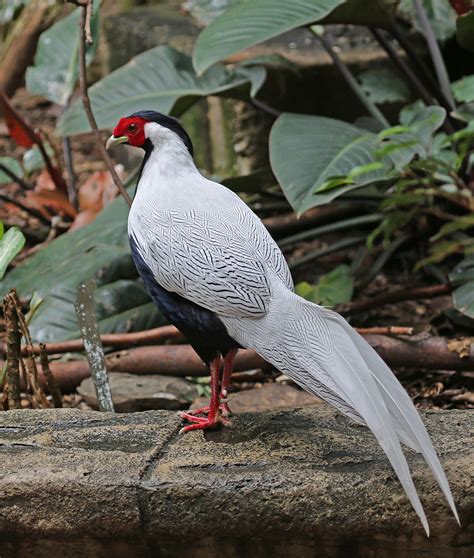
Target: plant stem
[
  {"x": 71, "y": 176},
  {"x": 351, "y": 81},
  {"x": 402, "y": 66},
  {"x": 87, "y": 104},
  {"x": 420, "y": 68},
  {"x": 409, "y": 74},
  {"x": 435, "y": 52}
]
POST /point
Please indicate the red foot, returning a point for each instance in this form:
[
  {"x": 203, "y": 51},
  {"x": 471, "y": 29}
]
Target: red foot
[
  {"x": 190, "y": 415},
  {"x": 201, "y": 423}
]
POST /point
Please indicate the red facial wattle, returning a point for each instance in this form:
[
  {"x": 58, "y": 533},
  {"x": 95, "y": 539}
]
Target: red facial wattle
[{"x": 133, "y": 128}]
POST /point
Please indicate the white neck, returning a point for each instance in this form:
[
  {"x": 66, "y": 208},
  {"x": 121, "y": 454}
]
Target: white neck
[{"x": 170, "y": 157}]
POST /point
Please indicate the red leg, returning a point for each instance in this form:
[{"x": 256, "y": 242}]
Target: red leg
[
  {"x": 224, "y": 408},
  {"x": 213, "y": 417},
  {"x": 226, "y": 378}
]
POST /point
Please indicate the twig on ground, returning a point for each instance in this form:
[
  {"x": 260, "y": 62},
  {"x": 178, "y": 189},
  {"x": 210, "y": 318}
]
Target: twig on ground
[
  {"x": 117, "y": 340},
  {"x": 15, "y": 177},
  {"x": 87, "y": 104},
  {"x": 51, "y": 381},
  {"x": 385, "y": 330},
  {"x": 31, "y": 210},
  {"x": 430, "y": 353},
  {"x": 95, "y": 354},
  {"x": 394, "y": 296}
]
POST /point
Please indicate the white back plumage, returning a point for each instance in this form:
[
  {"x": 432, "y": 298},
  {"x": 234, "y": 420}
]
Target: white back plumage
[{"x": 202, "y": 242}]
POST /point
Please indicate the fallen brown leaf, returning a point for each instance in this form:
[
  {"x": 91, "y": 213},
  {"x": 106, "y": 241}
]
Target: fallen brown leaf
[{"x": 461, "y": 346}]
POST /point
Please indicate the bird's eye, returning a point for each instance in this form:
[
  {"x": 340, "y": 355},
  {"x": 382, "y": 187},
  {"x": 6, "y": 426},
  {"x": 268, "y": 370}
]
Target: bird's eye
[{"x": 132, "y": 127}]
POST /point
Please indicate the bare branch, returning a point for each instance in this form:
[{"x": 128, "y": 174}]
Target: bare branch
[{"x": 87, "y": 104}]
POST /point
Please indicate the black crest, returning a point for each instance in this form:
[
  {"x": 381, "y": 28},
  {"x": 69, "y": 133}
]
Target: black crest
[{"x": 167, "y": 122}]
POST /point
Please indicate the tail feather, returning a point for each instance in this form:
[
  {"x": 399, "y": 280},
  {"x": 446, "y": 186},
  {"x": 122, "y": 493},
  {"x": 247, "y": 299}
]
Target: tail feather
[
  {"x": 364, "y": 395},
  {"x": 321, "y": 352},
  {"x": 409, "y": 426}
]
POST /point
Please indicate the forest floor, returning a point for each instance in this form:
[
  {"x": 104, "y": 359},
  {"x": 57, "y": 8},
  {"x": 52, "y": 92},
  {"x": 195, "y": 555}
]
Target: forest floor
[{"x": 435, "y": 389}]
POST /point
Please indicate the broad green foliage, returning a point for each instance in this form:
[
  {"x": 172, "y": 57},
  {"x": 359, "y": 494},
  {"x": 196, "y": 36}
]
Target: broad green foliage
[
  {"x": 312, "y": 158},
  {"x": 56, "y": 69},
  {"x": 161, "y": 79},
  {"x": 11, "y": 244},
  {"x": 383, "y": 85},
  {"x": 463, "y": 89},
  {"x": 11, "y": 164},
  {"x": 98, "y": 250},
  {"x": 318, "y": 159},
  {"x": 462, "y": 277},
  {"x": 249, "y": 22},
  {"x": 336, "y": 287}
]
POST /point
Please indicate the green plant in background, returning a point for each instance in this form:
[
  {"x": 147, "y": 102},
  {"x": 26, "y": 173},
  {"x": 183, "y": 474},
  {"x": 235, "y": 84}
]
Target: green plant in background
[{"x": 414, "y": 175}]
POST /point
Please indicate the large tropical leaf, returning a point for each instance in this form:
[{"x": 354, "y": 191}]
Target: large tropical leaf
[
  {"x": 99, "y": 250},
  {"x": 161, "y": 79},
  {"x": 308, "y": 152},
  {"x": 249, "y": 22},
  {"x": 55, "y": 70}
]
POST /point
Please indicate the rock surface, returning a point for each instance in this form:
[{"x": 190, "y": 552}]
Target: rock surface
[
  {"x": 269, "y": 397},
  {"x": 131, "y": 392},
  {"x": 299, "y": 483}
]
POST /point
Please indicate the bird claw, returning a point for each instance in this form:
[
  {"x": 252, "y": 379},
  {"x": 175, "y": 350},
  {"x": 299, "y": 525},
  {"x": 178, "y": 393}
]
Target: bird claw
[
  {"x": 201, "y": 423},
  {"x": 191, "y": 414}
]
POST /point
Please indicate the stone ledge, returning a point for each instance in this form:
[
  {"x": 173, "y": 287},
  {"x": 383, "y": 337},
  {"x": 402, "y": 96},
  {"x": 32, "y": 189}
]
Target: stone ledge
[{"x": 290, "y": 483}]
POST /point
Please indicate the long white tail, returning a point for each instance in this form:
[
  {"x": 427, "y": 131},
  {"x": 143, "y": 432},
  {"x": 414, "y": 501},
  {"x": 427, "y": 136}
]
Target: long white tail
[{"x": 322, "y": 353}]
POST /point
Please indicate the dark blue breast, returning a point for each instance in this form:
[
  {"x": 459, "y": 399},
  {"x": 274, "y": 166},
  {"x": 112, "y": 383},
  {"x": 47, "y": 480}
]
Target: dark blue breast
[{"x": 201, "y": 327}]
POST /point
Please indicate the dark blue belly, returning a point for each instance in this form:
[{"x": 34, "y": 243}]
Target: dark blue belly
[{"x": 201, "y": 327}]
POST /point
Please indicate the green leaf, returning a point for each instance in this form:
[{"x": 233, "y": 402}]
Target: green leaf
[
  {"x": 383, "y": 85},
  {"x": 420, "y": 124},
  {"x": 462, "y": 223},
  {"x": 465, "y": 31},
  {"x": 308, "y": 151},
  {"x": 336, "y": 287},
  {"x": 11, "y": 164},
  {"x": 249, "y": 22},
  {"x": 205, "y": 11},
  {"x": 463, "y": 89},
  {"x": 101, "y": 251},
  {"x": 440, "y": 14},
  {"x": 11, "y": 245},
  {"x": 463, "y": 299},
  {"x": 161, "y": 79},
  {"x": 33, "y": 160},
  {"x": 55, "y": 70}
]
